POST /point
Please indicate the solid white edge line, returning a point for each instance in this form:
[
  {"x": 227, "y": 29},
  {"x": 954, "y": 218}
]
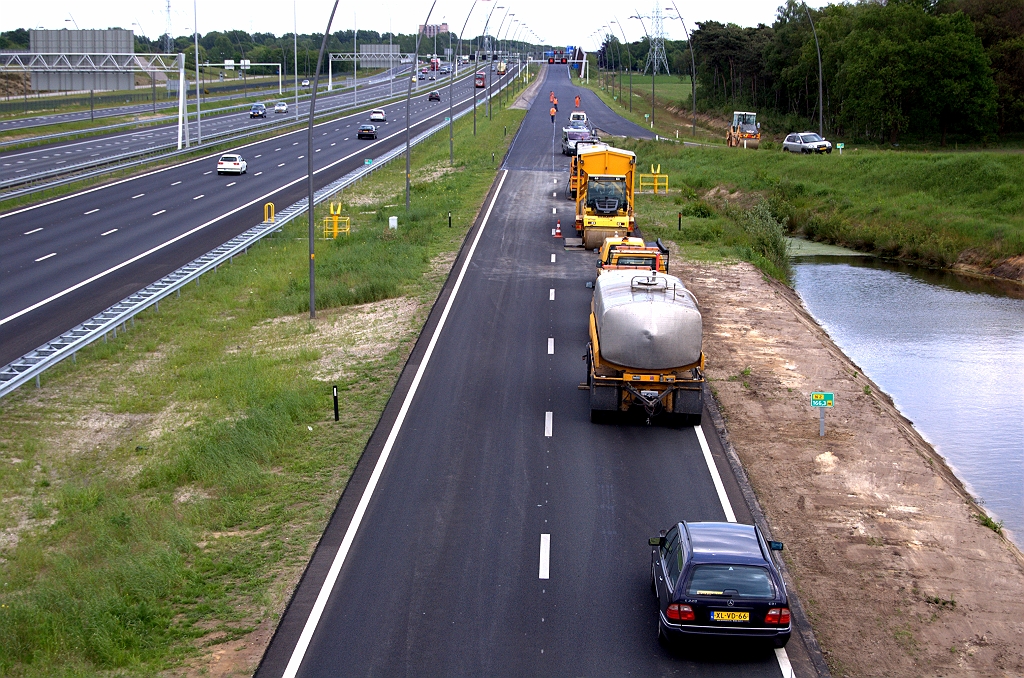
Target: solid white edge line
[
  {"x": 730, "y": 515},
  {"x": 545, "y": 557},
  {"x": 346, "y": 543}
]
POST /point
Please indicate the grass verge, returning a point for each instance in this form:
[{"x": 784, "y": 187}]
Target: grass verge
[{"x": 163, "y": 494}]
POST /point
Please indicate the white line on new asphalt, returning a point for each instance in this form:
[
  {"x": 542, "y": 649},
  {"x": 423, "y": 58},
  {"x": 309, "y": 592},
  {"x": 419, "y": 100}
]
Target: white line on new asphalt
[
  {"x": 155, "y": 214},
  {"x": 545, "y": 556},
  {"x": 175, "y": 183},
  {"x": 51, "y": 254},
  {"x": 551, "y": 346},
  {"x": 548, "y": 423},
  {"x": 138, "y": 196},
  {"x": 730, "y": 515},
  {"x": 350, "y": 534},
  {"x": 113, "y": 230},
  {"x": 552, "y": 258},
  {"x": 551, "y": 294},
  {"x": 93, "y": 211},
  {"x": 554, "y": 210},
  {"x": 34, "y": 230},
  {"x": 201, "y": 195}
]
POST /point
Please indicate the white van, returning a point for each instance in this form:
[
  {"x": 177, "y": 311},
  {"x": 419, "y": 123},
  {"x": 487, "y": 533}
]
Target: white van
[{"x": 578, "y": 116}]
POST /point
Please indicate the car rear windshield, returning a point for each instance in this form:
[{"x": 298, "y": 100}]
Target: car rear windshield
[
  {"x": 736, "y": 581},
  {"x": 580, "y": 135},
  {"x": 228, "y": 158}
]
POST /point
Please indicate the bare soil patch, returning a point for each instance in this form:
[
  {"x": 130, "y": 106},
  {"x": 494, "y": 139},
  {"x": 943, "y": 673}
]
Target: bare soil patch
[{"x": 896, "y": 573}]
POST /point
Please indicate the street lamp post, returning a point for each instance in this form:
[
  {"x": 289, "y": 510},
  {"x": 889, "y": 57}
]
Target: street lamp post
[
  {"x": 451, "y": 89},
  {"x": 408, "y": 112},
  {"x": 693, "y": 71},
  {"x": 630, "y": 66},
  {"x": 487, "y": 76},
  {"x": 497, "y": 33},
  {"x": 199, "y": 107},
  {"x": 821, "y": 110}
]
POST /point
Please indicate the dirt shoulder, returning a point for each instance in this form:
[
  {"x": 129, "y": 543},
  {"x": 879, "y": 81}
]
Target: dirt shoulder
[{"x": 895, "y": 572}]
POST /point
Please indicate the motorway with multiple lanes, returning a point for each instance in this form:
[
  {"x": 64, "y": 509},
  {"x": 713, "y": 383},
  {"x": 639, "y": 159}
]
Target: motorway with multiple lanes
[
  {"x": 61, "y": 155},
  {"x": 67, "y": 259},
  {"x": 490, "y": 528}
]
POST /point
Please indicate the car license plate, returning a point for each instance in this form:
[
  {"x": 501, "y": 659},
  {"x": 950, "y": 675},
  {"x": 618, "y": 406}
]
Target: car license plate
[{"x": 730, "y": 616}]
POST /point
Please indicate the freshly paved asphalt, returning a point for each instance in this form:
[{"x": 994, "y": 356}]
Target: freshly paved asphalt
[
  {"x": 59, "y": 155},
  {"x": 443, "y": 576},
  {"x": 50, "y": 248}
]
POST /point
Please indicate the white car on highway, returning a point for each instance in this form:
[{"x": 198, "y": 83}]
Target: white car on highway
[
  {"x": 231, "y": 162},
  {"x": 378, "y": 115},
  {"x": 281, "y": 107}
]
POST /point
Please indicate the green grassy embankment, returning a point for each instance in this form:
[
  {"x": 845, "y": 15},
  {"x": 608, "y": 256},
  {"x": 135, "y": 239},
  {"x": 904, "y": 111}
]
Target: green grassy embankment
[
  {"x": 162, "y": 495},
  {"x": 934, "y": 209}
]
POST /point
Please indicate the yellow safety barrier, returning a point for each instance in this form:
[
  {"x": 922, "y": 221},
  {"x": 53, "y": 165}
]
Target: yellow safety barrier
[
  {"x": 335, "y": 223},
  {"x": 268, "y": 212},
  {"x": 654, "y": 181}
]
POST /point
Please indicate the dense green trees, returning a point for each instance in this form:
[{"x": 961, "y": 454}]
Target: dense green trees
[{"x": 919, "y": 69}]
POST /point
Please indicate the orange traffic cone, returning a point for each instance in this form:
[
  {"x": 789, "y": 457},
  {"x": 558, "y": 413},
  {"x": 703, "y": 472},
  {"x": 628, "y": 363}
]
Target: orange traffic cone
[{"x": 558, "y": 229}]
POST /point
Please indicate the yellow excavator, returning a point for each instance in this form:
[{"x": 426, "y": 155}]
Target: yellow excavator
[{"x": 745, "y": 131}]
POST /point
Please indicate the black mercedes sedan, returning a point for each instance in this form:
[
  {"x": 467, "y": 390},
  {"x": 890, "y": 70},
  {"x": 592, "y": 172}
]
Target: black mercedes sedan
[
  {"x": 366, "y": 132},
  {"x": 718, "y": 579}
]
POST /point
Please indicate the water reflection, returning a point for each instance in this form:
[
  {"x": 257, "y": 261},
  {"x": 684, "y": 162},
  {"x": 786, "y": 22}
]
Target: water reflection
[{"x": 949, "y": 349}]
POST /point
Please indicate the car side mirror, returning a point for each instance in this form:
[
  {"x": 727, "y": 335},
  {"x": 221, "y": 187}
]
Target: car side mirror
[
  {"x": 758, "y": 125},
  {"x": 656, "y": 541},
  {"x": 600, "y": 264},
  {"x": 775, "y": 545}
]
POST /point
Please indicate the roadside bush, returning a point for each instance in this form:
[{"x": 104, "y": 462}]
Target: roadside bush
[{"x": 768, "y": 243}]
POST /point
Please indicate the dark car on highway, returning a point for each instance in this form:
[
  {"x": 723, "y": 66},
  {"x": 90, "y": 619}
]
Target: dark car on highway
[
  {"x": 366, "y": 132},
  {"x": 718, "y": 579},
  {"x": 258, "y": 111},
  {"x": 434, "y": 96}
]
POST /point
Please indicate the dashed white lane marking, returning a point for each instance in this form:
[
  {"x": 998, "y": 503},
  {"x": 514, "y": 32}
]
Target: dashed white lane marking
[
  {"x": 138, "y": 196},
  {"x": 551, "y": 294},
  {"x": 555, "y": 194},
  {"x": 350, "y": 534},
  {"x": 281, "y": 165},
  {"x": 113, "y": 230},
  {"x": 199, "y": 196},
  {"x": 332, "y": 144},
  {"x": 554, "y": 210},
  {"x": 257, "y": 174},
  {"x": 205, "y": 173},
  {"x": 295, "y": 144},
  {"x": 51, "y": 254},
  {"x": 551, "y": 346},
  {"x": 545, "y": 556},
  {"x": 175, "y": 183},
  {"x": 232, "y": 183},
  {"x": 783, "y": 659},
  {"x": 34, "y": 230},
  {"x": 552, "y": 258},
  {"x": 93, "y": 211},
  {"x": 156, "y": 214},
  {"x": 277, "y": 149},
  {"x": 548, "y": 423},
  {"x": 317, "y": 150},
  {"x": 258, "y": 156},
  {"x": 301, "y": 157},
  {"x": 555, "y": 181}
]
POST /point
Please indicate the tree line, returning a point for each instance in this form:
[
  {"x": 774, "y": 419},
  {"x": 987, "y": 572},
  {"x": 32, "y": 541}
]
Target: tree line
[{"x": 917, "y": 69}]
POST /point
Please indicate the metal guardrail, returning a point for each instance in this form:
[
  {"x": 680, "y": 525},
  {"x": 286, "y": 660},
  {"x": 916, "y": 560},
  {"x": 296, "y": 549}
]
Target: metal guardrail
[
  {"x": 31, "y": 365},
  {"x": 72, "y": 173}
]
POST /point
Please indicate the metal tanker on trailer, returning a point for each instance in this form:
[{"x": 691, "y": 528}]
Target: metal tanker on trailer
[
  {"x": 604, "y": 194},
  {"x": 645, "y": 348}
]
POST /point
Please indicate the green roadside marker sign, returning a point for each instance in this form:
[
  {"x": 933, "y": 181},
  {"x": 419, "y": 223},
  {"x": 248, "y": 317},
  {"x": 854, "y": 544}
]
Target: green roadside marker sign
[
  {"x": 368, "y": 161},
  {"x": 822, "y": 401},
  {"x": 819, "y": 399},
  {"x": 840, "y": 145}
]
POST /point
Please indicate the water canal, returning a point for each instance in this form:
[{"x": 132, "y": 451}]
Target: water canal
[{"x": 949, "y": 350}]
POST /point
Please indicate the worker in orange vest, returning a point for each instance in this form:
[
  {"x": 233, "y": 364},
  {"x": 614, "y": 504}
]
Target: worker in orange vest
[
  {"x": 577, "y": 101},
  {"x": 553, "y": 111},
  {"x": 555, "y": 103},
  {"x": 551, "y": 97}
]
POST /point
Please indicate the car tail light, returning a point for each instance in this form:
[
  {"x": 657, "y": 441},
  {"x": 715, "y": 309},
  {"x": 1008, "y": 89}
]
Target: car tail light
[
  {"x": 679, "y": 612},
  {"x": 777, "y": 615}
]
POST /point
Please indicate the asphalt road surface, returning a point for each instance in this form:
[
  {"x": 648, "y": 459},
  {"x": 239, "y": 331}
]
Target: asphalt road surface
[
  {"x": 490, "y": 528},
  {"x": 68, "y": 259},
  {"x": 143, "y": 109},
  {"x": 64, "y": 154}
]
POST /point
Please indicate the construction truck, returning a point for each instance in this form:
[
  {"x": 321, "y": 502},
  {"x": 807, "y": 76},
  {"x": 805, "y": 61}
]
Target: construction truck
[
  {"x": 645, "y": 350},
  {"x": 633, "y": 254},
  {"x": 745, "y": 130},
  {"x": 604, "y": 194},
  {"x": 502, "y": 67}
]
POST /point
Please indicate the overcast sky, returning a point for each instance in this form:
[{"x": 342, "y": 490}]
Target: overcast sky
[{"x": 555, "y": 22}]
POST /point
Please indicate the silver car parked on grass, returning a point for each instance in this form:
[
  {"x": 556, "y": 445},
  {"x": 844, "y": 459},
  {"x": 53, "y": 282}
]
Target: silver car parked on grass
[{"x": 806, "y": 142}]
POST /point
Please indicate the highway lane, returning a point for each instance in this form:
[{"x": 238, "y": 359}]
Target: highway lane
[
  {"x": 172, "y": 103},
  {"x": 63, "y": 154},
  {"x": 52, "y": 251},
  {"x": 506, "y": 534}
]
